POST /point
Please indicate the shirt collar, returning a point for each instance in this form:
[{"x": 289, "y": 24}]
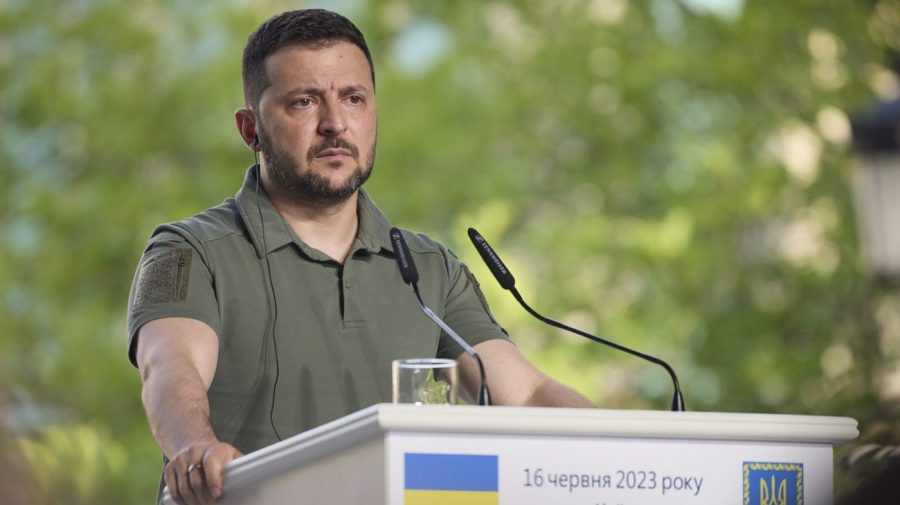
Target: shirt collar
[
  {"x": 267, "y": 228},
  {"x": 374, "y": 227},
  {"x": 269, "y": 231}
]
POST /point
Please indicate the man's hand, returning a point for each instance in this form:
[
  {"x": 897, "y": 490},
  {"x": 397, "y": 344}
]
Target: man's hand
[{"x": 195, "y": 475}]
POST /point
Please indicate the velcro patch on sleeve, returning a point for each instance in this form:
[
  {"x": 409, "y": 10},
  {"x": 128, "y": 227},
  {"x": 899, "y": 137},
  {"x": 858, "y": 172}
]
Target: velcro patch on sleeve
[{"x": 164, "y": 277}]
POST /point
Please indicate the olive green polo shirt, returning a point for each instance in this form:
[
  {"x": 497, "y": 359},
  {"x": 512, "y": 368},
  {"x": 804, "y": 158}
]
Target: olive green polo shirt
[{"x": 303, "y": 340}]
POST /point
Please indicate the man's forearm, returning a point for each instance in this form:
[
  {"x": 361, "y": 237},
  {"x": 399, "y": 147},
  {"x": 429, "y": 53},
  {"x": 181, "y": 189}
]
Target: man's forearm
[
  {"x": 177, "y": 407},
  {"x": 553, "y": 394}
]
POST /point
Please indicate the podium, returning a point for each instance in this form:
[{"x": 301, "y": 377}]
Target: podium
[{"x": 405, "y": 454}]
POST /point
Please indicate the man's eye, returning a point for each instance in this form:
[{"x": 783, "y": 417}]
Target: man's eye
[
  {"x": 303, "y": 102},
  {"x": 356, "y": 99}
]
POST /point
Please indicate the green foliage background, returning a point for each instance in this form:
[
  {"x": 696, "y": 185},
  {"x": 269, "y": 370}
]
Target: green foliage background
[{"x": 672, "y": 174}]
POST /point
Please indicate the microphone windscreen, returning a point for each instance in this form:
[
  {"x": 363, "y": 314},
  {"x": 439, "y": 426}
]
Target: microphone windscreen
[
  {"x": 496, "y": 266},
  {"x": 404, "y": 260}
]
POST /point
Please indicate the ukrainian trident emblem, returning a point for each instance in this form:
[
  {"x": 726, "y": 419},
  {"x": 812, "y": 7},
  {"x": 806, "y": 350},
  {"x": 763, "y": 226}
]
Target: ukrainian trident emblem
[
  {"x": 768, "y": 495},
  {"x": 773, "y": 483}
]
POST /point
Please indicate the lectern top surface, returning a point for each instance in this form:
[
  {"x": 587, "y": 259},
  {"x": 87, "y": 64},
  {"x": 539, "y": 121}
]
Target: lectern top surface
[{"x": 614, "y": 423}]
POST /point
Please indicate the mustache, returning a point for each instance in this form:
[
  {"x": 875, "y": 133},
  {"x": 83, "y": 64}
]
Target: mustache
[{"x": 332, "y": 143}]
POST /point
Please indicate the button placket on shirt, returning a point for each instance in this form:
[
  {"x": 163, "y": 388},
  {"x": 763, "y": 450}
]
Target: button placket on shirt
[{"x": 352, "y": 317}]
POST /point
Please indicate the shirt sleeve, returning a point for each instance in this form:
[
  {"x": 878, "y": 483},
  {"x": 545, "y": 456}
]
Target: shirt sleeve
[
  {"x": 466, "y": 311},
  {"x": 172, "y": 280}
]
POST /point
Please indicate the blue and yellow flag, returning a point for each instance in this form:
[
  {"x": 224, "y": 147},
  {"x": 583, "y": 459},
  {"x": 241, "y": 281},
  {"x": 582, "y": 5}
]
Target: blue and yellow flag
[{"x": 450, "y": 479}]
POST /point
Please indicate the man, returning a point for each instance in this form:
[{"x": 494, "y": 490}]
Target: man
[{"x": 282, "y": 309}]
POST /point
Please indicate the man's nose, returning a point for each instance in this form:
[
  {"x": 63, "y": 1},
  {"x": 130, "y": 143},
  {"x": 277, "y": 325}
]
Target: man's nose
[{"x": 332, "y": 121}]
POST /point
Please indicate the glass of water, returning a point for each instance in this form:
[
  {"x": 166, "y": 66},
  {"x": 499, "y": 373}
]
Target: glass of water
[{"x": 423, "y": 381}]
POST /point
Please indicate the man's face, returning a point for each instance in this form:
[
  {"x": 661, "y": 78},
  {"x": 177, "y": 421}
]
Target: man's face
[{"x": 317, "y": 122}]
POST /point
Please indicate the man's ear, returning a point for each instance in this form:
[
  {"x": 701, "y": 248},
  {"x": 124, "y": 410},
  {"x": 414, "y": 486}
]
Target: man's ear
[{"x": 246, "y": 124}]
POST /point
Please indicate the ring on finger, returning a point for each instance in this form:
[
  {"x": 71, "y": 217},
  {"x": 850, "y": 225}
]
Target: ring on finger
[{"x": 194, "y": 466}]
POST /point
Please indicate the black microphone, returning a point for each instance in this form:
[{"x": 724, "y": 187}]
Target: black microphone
[
  {"x": 411, "y": 276},
  {"x": 507, "y": 281}
]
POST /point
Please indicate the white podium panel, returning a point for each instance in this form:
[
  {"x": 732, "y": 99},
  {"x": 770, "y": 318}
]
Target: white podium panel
[
  {"x": 407, "y": 455},
  {"x": 547, "y": 470}
]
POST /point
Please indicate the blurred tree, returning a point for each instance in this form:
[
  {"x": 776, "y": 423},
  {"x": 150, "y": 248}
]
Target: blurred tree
[
  {"x": 670, "y": 174},
  {"x": 116, "y": 116}
]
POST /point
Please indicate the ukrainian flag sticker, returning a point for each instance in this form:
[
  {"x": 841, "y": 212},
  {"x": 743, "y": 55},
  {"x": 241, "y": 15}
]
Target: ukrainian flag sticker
[{"x": 450, "y": 479}]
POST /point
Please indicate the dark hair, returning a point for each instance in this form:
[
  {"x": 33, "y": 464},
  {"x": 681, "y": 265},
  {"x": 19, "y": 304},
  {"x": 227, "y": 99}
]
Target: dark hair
[{"x": 307, "y": 27}]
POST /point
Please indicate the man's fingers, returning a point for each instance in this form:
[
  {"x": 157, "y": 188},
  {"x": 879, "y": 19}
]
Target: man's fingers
[
  {"x": 196, "y": 474},
  {"x": 197, "y": 477},
  {"x": 214, "y": 465},
  {"x": 213, "y": 468},
  {"x": 172, "y": 483},
  {"x": 185, "y": 488},
  {"x": 179, "y": 486}
]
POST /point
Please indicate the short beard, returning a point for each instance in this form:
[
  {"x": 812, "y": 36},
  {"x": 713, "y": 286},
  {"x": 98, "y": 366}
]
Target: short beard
[{"x": 310, "y": 188}]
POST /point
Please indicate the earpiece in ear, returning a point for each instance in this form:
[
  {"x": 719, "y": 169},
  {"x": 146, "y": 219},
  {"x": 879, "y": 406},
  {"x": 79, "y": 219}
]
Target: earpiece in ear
[{"x": 255, "y": 145}]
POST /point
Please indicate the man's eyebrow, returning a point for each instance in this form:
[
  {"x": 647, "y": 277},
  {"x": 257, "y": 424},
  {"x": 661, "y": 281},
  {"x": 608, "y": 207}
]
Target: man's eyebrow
[
  {"x": 354, "y": 88},
  {"x": 305, "y": 90},
  {"x": 318, "y": 91}
]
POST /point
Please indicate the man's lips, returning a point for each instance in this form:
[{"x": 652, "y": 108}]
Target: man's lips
[{"x": 333, "y": 152}]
